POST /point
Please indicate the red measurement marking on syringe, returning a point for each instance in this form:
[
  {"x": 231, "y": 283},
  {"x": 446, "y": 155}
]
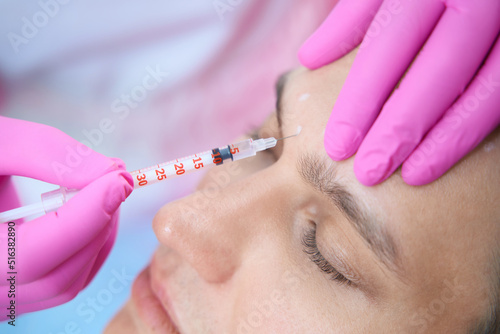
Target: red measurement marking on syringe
[
  {"x": 217, "y": 158},
  {"x": 160, "y": 174},
  {"x": 198, "y": 165},
  {"x": 179, "y": 168},
  {"x": 142, "y": 180},
  {"x": 234, "y": 150}
]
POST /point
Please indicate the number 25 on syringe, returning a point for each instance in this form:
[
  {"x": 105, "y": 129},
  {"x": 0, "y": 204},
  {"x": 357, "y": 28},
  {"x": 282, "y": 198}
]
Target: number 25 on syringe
[
  {"x": 160, "y": 174},
  {"x": 53, "y": 200}
]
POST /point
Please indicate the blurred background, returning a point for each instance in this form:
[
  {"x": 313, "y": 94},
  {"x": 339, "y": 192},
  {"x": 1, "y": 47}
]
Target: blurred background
[{"x": 173, "y": 77}]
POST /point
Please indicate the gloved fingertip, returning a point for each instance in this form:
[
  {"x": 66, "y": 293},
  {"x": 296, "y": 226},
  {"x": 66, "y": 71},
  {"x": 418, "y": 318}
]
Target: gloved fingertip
[
  {"x": 307, "y": 55},
  {"x": 130, "y": 182},
  {"x": 341, "y": 141},
  {"x": 118, "y": 164},
  {"x": 371, "y": 169},
  {"x": 118, "y": 191},
  {"x": 414, "y": 177}
]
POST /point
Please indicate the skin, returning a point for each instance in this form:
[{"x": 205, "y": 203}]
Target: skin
[{"x": 231, "y": 258}]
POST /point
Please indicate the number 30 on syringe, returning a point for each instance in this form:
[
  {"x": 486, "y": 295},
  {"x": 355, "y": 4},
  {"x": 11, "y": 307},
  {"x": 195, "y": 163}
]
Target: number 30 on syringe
[{"x": 178, "y": 167}]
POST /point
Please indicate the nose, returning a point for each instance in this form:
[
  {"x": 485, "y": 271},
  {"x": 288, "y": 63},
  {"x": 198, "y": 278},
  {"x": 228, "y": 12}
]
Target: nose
[{"x": 212, "y": 228}]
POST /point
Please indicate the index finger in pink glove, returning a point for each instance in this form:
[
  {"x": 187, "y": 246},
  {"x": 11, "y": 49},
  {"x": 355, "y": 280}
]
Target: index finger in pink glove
[{"x": 48, "y": 154}]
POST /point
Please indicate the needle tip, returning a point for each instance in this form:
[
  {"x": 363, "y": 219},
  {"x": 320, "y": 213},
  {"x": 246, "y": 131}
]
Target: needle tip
[{"x": 299, "y": 129}]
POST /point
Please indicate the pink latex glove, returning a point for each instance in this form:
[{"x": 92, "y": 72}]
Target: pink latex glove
[
  {"x": 448, "y": 101},
  {"x": 58, "y": 254}
]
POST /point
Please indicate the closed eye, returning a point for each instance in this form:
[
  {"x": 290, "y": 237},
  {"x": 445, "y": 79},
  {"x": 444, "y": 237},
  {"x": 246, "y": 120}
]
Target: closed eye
[{"x": 311, "y": 249}]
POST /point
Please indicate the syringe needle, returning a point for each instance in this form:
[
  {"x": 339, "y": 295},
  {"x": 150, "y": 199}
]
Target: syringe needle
[
  {"x": 52, "y": 200},
  {"x": 299, "y": 129}
]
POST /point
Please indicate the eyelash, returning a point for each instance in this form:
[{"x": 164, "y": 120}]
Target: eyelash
[
  {"x": 254, "y": 133},
  {"x": 311, "y": 249},
  {"x": 310, "y": 245}
]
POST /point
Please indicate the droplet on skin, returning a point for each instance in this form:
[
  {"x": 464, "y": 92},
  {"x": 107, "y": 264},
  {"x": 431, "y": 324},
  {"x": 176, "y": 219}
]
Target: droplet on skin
[
  {"x": 488, "y": 147},
  {"x": 304, "y": 97},
  {"x": 168, "y": 230}
]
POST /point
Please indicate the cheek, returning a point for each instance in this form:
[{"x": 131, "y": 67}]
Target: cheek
[
  {"x": 277, "y": 290},
  {"x": 266, "y": 304}
]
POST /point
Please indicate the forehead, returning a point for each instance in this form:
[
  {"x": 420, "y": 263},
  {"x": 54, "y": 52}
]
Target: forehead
[
  {"x": 308, "y": 100},
  {"x": 432, "y": 222}
]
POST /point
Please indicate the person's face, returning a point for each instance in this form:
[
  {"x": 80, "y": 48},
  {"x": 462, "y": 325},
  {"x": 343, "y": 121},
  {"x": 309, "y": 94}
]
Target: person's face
[{"x": 291, "y": 242}]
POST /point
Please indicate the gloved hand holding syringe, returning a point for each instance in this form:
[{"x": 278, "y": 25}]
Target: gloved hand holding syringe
[{"x": 53, "y": 200}]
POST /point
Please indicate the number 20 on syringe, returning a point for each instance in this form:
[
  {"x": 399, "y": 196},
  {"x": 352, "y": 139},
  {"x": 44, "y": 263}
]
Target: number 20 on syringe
[
  {"x": 53, "y": 200},
  {"x": 160, "y": 172}
]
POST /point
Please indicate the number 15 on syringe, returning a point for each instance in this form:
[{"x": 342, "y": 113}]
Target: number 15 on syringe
[
  {"x": 53, "y": 200},
  {"x": 216, "y": 156}
]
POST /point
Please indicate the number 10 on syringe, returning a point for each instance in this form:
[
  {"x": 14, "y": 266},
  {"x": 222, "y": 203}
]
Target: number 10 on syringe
[{"x": 53, "y": 200}]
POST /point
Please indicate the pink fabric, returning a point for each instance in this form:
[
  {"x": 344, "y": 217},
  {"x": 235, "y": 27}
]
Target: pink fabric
[
  {"x": 60, "y": 253},
  {"x": 235, "y": 91}
]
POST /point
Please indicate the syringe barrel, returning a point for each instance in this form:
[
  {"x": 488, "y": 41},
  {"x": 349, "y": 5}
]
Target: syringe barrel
[
  {"x": 168, "y": 170},
  {"x": 248, "y": 148},
  {"x": 217, "y": 156},
  {"x": 52, "y": 200},
  {"x": 243, "y": 149}
]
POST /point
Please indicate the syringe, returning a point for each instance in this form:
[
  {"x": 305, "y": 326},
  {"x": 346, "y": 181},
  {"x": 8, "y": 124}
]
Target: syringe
[{"x": 53, "y": 200}]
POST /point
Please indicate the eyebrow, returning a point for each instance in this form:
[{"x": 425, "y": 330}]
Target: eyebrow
[{"x": 323, "y": 177}]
